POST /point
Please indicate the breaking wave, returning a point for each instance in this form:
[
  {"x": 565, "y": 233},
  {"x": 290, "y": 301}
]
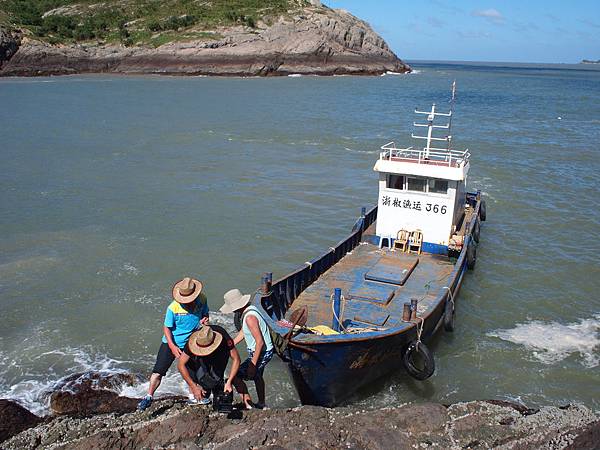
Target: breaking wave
[
  {"x": 34, "y": 389},
  {"x": 552, "y": 342}
]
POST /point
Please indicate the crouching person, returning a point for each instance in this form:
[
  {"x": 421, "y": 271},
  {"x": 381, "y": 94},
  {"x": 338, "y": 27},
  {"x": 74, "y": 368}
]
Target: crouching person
[
  {"x": 204, "y": 360},
  {"x": 258, "y": 341}
]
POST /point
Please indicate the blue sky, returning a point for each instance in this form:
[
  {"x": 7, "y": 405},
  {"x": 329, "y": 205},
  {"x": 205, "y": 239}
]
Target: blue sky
[{"x": 555, "y": 31}]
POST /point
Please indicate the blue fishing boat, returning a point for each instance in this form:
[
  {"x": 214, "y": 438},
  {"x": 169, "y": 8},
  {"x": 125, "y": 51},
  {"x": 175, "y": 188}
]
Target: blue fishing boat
[{"x": 367, "y": 306}]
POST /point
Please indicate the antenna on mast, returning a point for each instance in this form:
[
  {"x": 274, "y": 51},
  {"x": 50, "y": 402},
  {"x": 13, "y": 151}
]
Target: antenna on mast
[
  {"x": 451, "y": 112},
  {"x": 431, "y": 127}
]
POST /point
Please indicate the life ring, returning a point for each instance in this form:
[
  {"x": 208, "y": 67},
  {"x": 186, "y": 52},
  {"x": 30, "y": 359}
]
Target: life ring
[
  {"x": 449, "y": 314},
  {"x": 482, "y": 211},
  {"x": 237, "y": 320},
  {"x": 419, "y": 373},
  {"x": 476, "y": 230},
  {"x": 471, "y": 255}
]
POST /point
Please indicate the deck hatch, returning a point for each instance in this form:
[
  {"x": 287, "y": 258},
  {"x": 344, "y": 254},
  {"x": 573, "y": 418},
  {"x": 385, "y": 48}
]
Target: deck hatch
[
  {"x": 371, "y": 321},
  {"x": 392, "y": 270}
]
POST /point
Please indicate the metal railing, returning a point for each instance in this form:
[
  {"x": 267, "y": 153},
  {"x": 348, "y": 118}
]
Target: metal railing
[{"x": 439, "y": 156}]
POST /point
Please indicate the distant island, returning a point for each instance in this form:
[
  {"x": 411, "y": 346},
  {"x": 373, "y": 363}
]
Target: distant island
[
  {"x": 587, "y": 61},
  {"x": 182, "y": 37}
]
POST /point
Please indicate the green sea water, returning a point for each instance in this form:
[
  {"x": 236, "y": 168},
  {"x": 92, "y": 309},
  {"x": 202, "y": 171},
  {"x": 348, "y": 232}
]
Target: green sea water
[{"x": 113, "y": 188}]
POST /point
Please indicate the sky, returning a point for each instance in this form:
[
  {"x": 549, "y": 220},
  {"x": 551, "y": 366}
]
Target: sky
[{"x": 550, "y": 31}]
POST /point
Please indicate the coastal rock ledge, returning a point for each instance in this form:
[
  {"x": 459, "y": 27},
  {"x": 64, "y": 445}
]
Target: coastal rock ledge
[
  {"x": 314, "y": 41},
  {"x": 173, "y": 424}
]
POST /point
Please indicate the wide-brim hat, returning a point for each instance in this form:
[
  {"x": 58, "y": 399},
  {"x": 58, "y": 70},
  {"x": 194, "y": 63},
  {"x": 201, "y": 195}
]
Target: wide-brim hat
[
  {"x": 234, "y": 300},
  {"x": 187, "y": 290},
  {"x": 204, "y": 341}
]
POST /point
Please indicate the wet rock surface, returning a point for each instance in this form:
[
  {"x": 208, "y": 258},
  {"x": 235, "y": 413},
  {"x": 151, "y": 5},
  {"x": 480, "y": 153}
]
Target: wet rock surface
[
  {"x": 319, "y": 41},
  {"x": 89, "y": 393},
  {"x": 173, "y": 424},
  {"x": 14, "y": 419}
]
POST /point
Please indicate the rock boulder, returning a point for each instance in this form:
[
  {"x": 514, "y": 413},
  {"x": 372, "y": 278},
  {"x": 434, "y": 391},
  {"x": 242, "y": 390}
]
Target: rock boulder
[
  {"x": 14, "y": 419},
  {"x": 89, "y": 393}
]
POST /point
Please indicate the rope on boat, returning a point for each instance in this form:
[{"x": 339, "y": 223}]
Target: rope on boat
[
  {"x": 308, "y": 264},
  {"x": 259, "y": 291},
  {"x": 419, "y": 331},
  {"x": 451, "y": 296},
  {"x": 343, "y": 308},
  {"x": 332, "y": 249}
]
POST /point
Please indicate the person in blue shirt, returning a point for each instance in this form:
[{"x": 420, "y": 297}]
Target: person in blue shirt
[{"x": 187, "y": 313}]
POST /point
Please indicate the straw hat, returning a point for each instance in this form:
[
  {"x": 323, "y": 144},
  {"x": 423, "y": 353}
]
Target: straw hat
[
  {"x": 187, "y": 290},
  {"x": 234, "y": 300},
  {"x": 204, "y": 341}
]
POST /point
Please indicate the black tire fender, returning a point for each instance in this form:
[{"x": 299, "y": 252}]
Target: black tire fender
[
  {"x": 476, "y": 230},
  {"x": 429, "y": 364},
  {"x": 471, "y": 255},
  {"x": 482, "y": 211},
  {"x": 449, "y": 313}
]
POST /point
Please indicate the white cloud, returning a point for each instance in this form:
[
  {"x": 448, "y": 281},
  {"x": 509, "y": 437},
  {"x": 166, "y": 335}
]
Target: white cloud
[{"x": 491, "y": 14}]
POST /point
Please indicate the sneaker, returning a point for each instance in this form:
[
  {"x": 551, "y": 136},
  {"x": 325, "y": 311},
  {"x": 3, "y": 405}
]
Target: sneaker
[
  {"x": 144, "y": 403},
  {"x": 195, "y": 401},
  {"x": 260, "y": 406}
]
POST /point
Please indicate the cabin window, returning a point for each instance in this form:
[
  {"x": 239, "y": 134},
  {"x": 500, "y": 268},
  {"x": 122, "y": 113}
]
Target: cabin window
[
  {"x": 438, "y": 186},
  {"x": 417, "y": 184},
  {"x": 395, "y": 182}
]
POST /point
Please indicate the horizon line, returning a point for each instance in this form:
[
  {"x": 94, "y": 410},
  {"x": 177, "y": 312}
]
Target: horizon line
[{"x": 493, "y": 62}]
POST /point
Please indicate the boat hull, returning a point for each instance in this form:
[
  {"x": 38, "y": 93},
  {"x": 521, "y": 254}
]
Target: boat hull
[{"x": 335, "y": 371}]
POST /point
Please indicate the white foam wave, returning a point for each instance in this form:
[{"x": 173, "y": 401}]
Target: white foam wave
[
  {"x": 553, "y": 342},
  {"x": 295, "y": 75},
  {"x": 367, "y": 152},
  {"x": 34, "y": 388},
  {"x": 131, "y": 269},
  {"x": 34, "y": 392},
  {"x": 223, "y": 320},
  {"x": 172, "y": 384}
]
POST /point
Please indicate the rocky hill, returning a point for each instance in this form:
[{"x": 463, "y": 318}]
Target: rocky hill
[{"x": 218, "y": 37}]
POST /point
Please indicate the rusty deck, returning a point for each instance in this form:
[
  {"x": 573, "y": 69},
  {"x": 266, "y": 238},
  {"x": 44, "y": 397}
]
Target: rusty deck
[{"x": 375, "y": 284}]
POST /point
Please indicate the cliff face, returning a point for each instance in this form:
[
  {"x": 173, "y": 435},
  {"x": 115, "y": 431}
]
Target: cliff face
[
  {"x": 9, "y": 44},
  {"x": 316, "y": 40}
]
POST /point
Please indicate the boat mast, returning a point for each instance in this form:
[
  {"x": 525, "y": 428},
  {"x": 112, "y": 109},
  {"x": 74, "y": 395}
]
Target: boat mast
[
  {"x": 430, "y": 126},
  {"x": 451, "y": 112}
]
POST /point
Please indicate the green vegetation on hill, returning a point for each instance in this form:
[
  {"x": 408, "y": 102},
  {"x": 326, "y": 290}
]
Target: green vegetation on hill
[{"x": 135, "y": 22}]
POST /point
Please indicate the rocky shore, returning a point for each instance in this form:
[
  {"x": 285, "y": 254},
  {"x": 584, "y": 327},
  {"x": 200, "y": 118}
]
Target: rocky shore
[
  {"x": 87, "y": 413},
  {"x": 315, "y": 41}
]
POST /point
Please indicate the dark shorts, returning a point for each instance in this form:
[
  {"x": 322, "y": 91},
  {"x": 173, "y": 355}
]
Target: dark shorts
[
  {"x": 164, "y": 359},
  {"x": 260, "y": 368}
]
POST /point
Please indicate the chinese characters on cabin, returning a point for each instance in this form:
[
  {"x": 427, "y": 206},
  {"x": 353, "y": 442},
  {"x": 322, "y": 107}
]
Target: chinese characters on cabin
[{"x": 395, "y": 202}]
